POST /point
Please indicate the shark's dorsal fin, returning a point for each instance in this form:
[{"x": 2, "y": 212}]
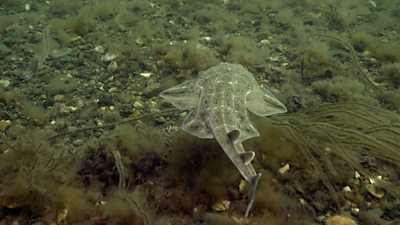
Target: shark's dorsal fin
[
  {"x": 247, "y": 157},
  {"x": 234, "y": 136}
]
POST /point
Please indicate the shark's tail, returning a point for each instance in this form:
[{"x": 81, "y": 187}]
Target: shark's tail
[{"x": 254, "y": 183}]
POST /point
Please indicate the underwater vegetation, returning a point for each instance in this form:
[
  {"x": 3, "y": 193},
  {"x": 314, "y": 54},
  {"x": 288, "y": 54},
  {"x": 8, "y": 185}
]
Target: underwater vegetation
[
  {"x": 118, "y": 178},
  {"x": 71, "y": 70},
  {"x": 348, "y": 131}
]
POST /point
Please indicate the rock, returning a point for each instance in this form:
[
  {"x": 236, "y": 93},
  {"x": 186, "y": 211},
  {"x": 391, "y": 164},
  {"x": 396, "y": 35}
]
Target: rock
[
  {"x": 109, "y": 56},
  {"x": 59, "y": 98},
  {"x": 99, "y": 49},
  {"x": 340, "y": 220},
  {"x": 160, "y": 120},
  {"x": 374, "y": 191},
  {"x": 4, "y": 83},
  {"x": 138, "y": 105},
  {"x": 221, "y": 206},
  {"x": 113, "y": 90},
  {"x": 78, "y": 142},
  {"x": 146, "y": 74},
  {"x": 112, "y": 67},
  {"x": 284, "y": 168},
  {"x": 4, "y": 124}
]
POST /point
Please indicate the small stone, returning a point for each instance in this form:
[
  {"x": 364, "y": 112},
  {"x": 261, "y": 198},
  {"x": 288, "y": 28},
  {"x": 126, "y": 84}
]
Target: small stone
[
  {"x": 113, "y": 66},
  {"x": 160, "y": 120},
  {"x": 140, "y": 41},
  {"x": 99, "y": 49},
  {"x": 265, "y": 42},
  {"x": 221, "y": 206},
  {"x": 78, "y": 142},
  {"x": 346, "y": 189},
  {"x": 59, "y": 98},
  {"x": 274, "y": 58},
  {"x": 5, "y": 83},
  {"x": 4, "y": 124},
  {"x": 284, "y": 168},
  {"x": 113, "y": 90},
  {"x": 138, "y": 105},
  {"x": 340, "y": 220},
  {"x": 60, "y": 53},
  {"x": 242, "y": 185},
  {"x": 357, "y": 175},
  {"x": 374, "y": 191},
  {"x": 109, "y": 56},
  {"x": 206, "y": 38},
  {"x": 146, "y": 74}
]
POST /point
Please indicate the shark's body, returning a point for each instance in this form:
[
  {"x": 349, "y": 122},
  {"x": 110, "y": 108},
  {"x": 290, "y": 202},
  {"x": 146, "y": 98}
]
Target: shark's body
[{"x": 220, "y": 99}]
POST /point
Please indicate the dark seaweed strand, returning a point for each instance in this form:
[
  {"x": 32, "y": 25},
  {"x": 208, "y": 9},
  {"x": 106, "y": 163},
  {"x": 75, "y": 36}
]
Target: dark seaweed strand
[
  {"x": 344, "y": 155},
  {"x": 376, "y": 89},
  {"x": 354, "y": 137},
  {"x": 136, "y": 207},
  {"x": 122, "y": 188},
  {"x": 83, "y": 129},
  {"x": 303, "y": 144},
  {"x": 363, "y": 139}
]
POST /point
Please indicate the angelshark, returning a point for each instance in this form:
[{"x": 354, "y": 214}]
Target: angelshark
[{"x": 219, "y": 100}]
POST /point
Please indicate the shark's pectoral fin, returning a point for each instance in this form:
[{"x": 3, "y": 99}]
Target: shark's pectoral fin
[
  {"x": 195, "y": 126},
  {"x": 263, "y": 103},
  {"x": 247, "y": 157},
  {"x": 182, "y": 96}
]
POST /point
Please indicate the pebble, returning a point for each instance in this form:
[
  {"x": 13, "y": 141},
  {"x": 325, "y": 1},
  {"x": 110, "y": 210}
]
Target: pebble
[
  {"x": 5, "y": 83},
  {"x": 340, "y": 220},
  {"x": 265, "y": 42},
  {"x": 59, "y": 98},
  {"x": 99, "y": 49},
  {"x": 284, "y": 168},
  {"x": 242, "y": 185},
  {"x": 374, "y": 191},
  {"x": 78, "y": 142},
  {"x": 109, "y": 56},
  {"x": 113, "y": 66},
  {"x": 113, "y": 90},
  {"x": 138, "y": 105},
  {"x": 160, "y": 120},
  {"x": 146, "y": 74},
  {"x": 59, "y": 53},
  {"x": 4, "y": 124},
  {"x": 221, "y": 206}
]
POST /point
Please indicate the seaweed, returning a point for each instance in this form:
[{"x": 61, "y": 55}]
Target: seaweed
[
  {"x": 348, "y": 131},
  {"x": 377, "y": 90}
]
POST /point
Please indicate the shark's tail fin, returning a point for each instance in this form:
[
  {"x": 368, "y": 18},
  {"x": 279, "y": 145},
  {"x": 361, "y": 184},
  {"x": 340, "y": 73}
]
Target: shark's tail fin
[{"x": 254, "y": 183}]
